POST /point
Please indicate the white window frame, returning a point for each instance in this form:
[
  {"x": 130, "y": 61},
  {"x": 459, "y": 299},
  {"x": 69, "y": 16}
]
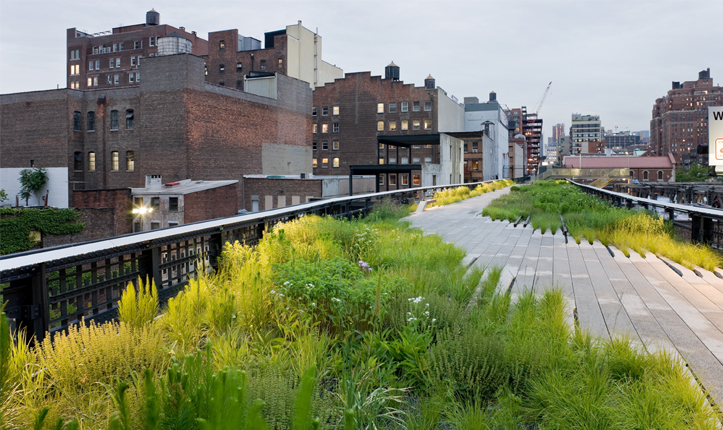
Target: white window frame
[
  {"x": 116, "y": 79},
  {"x": 380, "y": 107},
  {"x": 117, "y": 63},
  {"x": 405, "y": 107},
  {"x": 90, "y": 65}
]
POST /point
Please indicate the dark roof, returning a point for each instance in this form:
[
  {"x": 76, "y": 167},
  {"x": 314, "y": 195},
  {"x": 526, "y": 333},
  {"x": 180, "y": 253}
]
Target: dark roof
[
  {"x": 409, "y": 140},
  {"x": 373, "y": 169}
]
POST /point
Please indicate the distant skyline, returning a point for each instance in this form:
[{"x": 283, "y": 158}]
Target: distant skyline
[{"x": 607, "y": 58}]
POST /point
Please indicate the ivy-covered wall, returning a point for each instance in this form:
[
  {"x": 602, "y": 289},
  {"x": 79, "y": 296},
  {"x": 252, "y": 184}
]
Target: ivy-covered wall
[{"x": 16, "y": 226}]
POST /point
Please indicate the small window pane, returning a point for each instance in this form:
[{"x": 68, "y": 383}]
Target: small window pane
[
  {"x": 380, "y": 107},
  {"x": 380, "y": 125},
  {"x": 335, "y": 110},
  {"x": 336, "y": 162},
  {"x": 114, "y": 161},
  {"x": 130, "y": 161}
]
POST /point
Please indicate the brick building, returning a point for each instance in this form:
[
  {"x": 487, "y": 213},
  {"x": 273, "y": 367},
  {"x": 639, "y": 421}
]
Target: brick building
[
  {"x": 112, "y": 58},
  {"x": 530, "y": 127},
  {"x": 369, "y": 125},
  {"x": 644, "y": 168},
  {"x": 680, "y": 119},
  {"x": 172, "y": 124}
]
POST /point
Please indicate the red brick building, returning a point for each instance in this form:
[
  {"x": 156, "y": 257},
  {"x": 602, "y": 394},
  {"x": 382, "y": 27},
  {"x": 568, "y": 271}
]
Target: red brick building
[
  {"x": 644, "y": 168},
  {"x": 680, "y": 119}
]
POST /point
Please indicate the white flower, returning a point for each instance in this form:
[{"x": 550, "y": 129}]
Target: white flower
[
  {"x": 273, "y": 291},
  {"x": 313, "y": 304},
  {"x": 287, "y": 283},
  {"x": 426, "y": 313},
  {"x": 434, "y": 319}
]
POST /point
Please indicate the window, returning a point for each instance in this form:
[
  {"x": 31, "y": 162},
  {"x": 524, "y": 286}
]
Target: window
[
  {"x": 76, "y": 121},
  {"x": 78, "y": 161},
  {"x": 129, "y": 119},
  {"x": 335, "y": 145},
  {"x": 91, "y": 121},
  {"x": 130, "y": 161},
  {"x": 75, "y": 69},
  {"x": 381, "y": 179},
  {"x": 136, "y": 45},
  {"x": 325, "y": 111},
  {"x": 392, "y": 125},
  {"x": 155, "y": 203},
  {"x": 405, "y": 160},
  {"x": 427, "y": 159},
  {"x": 313, "y": 111},
  {"x": 120, "y": 46},
  {"x": 313, "y": 162},
  {"x": 173, "y": 204},
  {"x": 335, "y": 110},
  {"x": 415, "y": 160},
  {"x": 381, "y": 160},
  {"x": 405, "y": 179},
  {"x": 240, "y": 85},
  {"x": 405, "y": 124},
  {"x": 392, "y": 179},
  {"x": 325, "y": 145},
  {"x": 115, "y": 47},
  {"x": 335, "y": 127},
  {"x": 117, "y": 63},
  {"x": 114, "y": 161},
  {"x": 380, "y": 125},
  {"x": 392, "y": 160},
  {"x": 205, "y": 69},
  {"x": 415, "y": 180},
  {"x": 90, "y": 65},
  {"x": 475, "y": 165},
  {"x": 91, "y": 161},
  {"x": 405, "y": 106},
  {"x": 138, "y": 77},
  {"x": 222, "y": 83},
  {"x": 114, "y": 120},
  {"x": 155, "y": 225},
  {"x": 263, "y": 64},
  {"x": 130, "y": 77},
  {"x": 90, "y": 82},
  {"x": 111, "y": 63},
  {"x": 116, "y": 79},
  {"x": 313, "y": 128},
  {"x": 645, "y": 175},
  {"x": 475, "y": 147},
  {"x": 172, "y": 223},
  {"x": 239, "y": 66},
  {"x": 660, "y": 175},
  {"x": 427, "y": 124},
  {"x": 151, "y": 41},
  {"x": 324, "y": 128},
  {"x": 380, "y": 107},
  {"x": 95, "y": 49},
  {"x": 313, "y": 145},
  {"x": 133, "y": 61},
  {"x": 97, "y": 64},
  {"x": 335, "y": 162},
  {"x": 75, "y": 54},
  {"x": 324, "y": 162},
  {"x": 427, "y": 106},
  {"x": 281, "y": 64},
  {"x": 392, "y": 107},
  {"x": 221, "y": 44},
  {"x": 415, "y": 106},
  {"x": 381, "y": 146},
  {"x": 415, "y": 124},
  {"x": 221, "y": 68}
]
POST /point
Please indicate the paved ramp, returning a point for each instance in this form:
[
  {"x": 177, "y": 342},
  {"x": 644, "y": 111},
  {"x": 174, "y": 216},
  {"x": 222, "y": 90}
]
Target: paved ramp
[{"x": 643, "y": 298}]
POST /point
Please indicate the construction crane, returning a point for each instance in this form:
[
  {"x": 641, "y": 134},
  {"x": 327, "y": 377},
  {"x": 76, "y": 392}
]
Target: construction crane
[{"x": 544, "y": 96}]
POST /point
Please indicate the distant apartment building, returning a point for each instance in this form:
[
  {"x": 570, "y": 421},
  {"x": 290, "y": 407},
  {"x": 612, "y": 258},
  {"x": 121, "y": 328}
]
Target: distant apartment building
[
  {"x": 622, "y": 140},
  {"x": 680, "y": 119},
  {"x": 532, "y": 130},
  {"x": 401, "y": 133},
  {"x": 586, "y": 134},
  {"x": 518, "y": 159},
  {"x": 558, "y": 130},
  {"x": 490, "y": 119}
]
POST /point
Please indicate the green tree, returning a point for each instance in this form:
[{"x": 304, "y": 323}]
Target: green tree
[
  {"x": 3, "y": 195},
  {"x": 32, "y": 180},
  {"x": 696, "y": 173}
]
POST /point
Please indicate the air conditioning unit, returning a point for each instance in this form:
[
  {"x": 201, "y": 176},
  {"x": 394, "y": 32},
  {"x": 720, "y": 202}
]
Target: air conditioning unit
[{"x": 474, "y": 151}]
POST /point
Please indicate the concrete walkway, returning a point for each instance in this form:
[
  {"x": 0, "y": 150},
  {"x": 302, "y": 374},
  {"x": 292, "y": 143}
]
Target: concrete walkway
[{"x": 612, "y": 294}]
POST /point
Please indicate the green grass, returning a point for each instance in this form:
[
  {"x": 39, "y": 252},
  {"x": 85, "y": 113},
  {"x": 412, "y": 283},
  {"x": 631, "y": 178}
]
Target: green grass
[
  {"x": 297, "y": 333},
  {"x": 454, "y": 195},
  {"x": 590, "y": 218}
]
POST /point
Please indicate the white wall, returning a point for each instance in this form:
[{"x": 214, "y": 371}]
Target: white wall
[
  {"x": 282, "y": 159},
  {"x": 304, "y": 60},
  {"x": 339, "y": 186},
  {"x": 56, "y": 187},
  {"x": 496, "y": 158},
  {"x": 451, "y": 167},
  {"x": 450, "y": 117},
  {"x": 263, "y": 86}
]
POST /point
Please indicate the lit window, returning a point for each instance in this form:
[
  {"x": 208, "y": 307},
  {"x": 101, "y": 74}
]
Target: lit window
[
  {"x": 380, "y": 107},
  {"x": 392, "y": 125},
  {"x": 335, "y": 162},
  {"x": 129, "y": 119},
  {"x": 114, "y": 120},
  {"x": 392, "y": 107},
  {"x": 313, "y": 128},
  {"x": 335, "y": 127},
  {"x": 415, "y": 124},
  {"x": 221, "y": 44},
  {"x": 324, "y": 146},
  {"x": 475, "y": 165},
  {"x": 335, "y": 110},
  {"x": 335, "y": 145},
  {"x": 415, "y": 106},
  {"x": 427, "y": 106},
  {"x": 325, "y": 111},
  {"x": 380, "y": 125},
  {"x": 91, "y": 161},
  {"x": 427, "y": 124},
  {"x": 392, "y": 179},
  {"x": 78, "y": 161},
  {"x": 130, "y": 161},
  {"x": 381, "y": 160},
  {"x": 405, "y": 124},
  {"x": 324, "y": 162},
  {"x": 313, "y": 162},
  {"x": 405, "y": 179},
  {"x": 91, "y": 121},
  {"x": 415, "y": 180},
  {"x": 325, "y": 128},
  {"x": 281, "y": 64},
  {"x": 405, "y": 106},
  {"x": 114, "y": 161},
  {"x": 381, "y": 146}
]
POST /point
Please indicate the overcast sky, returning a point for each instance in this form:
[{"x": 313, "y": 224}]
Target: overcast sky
[{"x": 604, "y": 57}]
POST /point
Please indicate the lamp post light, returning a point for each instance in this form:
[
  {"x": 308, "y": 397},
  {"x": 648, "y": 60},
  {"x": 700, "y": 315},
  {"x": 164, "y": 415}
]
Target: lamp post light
[{"x": 141, "y": 211}]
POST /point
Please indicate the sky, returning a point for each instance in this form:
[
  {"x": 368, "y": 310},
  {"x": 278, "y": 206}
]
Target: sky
[{"x": 604, "y": 57}]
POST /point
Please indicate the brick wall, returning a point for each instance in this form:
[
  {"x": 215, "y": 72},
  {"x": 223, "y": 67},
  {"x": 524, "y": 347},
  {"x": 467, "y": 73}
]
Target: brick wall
[
  {"x": 209, "y": 204},
  {"x": 288, "y": 189},
  {"x": 119, "y": 200},
  {"x": 98, "y": 225}
]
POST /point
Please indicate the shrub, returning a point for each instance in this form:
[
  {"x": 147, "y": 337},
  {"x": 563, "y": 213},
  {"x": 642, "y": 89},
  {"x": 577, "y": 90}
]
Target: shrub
[{"x": 139, "y": 309}]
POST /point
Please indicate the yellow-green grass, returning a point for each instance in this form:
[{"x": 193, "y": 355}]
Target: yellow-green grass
[{"x": 454, "y": 195}]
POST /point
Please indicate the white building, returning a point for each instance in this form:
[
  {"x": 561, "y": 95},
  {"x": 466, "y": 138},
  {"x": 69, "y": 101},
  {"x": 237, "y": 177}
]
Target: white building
[
  {"x": 490, "y": 118},
  {"x": 584, "y": 130}
]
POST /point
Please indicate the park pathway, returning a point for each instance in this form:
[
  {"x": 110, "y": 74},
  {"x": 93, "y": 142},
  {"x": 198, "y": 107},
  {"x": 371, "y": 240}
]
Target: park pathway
[{"x": 610, "y": 293}]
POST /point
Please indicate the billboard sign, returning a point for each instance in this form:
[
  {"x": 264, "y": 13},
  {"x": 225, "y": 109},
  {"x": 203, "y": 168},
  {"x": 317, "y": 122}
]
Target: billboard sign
[{"x": 715, "y": 136}]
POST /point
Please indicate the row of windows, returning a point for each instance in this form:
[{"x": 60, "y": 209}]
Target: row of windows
[
  {"x": 325, "y": 145},
  {"x": 240, "y": 66},
  {"x": 325, "y": 162},
  {"x": 325, "y": 111},
  {"x": 416, "y": 124},
  {"x": 325, "y": 127},
  {"x": 404, "y": 107},
  {"x": 381, "y": 146},
  {"x": 114, "y": 161},
  {"x": 117, "y": 47},
  {"x": 403, "y": 179},
  {"x": 155, "y": 203},
  {"x": 90, "y": 120},
  {"x": 405, "y": 160}
]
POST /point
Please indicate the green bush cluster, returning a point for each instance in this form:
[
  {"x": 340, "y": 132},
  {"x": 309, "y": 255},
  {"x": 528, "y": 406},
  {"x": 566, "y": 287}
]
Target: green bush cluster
[
  {"x": 16, "y": 225},
  {"x": 454, "y": 195},
  {"x": 362, "y": 324}
]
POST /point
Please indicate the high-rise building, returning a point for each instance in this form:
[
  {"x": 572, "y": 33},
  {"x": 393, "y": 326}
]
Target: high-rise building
[
  {"x": 532, "y": 130},
  {"x": 586, "y": 134},
  {"x": 680, "y": 118},
  {"x": 558, "y": 130}
]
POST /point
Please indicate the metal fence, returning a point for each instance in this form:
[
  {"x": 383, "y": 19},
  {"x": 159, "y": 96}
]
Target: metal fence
[
  {"x": 47, "y": 290},
  {"x": 705, "y": 225}
]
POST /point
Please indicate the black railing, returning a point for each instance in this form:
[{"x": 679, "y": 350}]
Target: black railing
[
  {"x": 705, "y": 224},
  {"x": 47, "y": 290}
]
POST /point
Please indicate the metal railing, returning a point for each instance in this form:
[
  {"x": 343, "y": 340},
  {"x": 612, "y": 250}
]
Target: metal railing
[
  {"x": 706, "y": 224},
  {"x": 584, "y": 174},
  {"x": 47, "y": 290}
]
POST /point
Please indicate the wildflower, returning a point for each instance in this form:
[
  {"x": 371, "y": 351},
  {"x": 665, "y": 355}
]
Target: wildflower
[
  {"x": 434, "y": 319},
  {"x": 273, "y": 291},
  {"x": 334, "y": 299},
  {"x": 287, "y": 283},
  {"x": 426, "y": 313},
  {"x": 364, "y": 266},
  {"x": 313, "y": 304}
]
